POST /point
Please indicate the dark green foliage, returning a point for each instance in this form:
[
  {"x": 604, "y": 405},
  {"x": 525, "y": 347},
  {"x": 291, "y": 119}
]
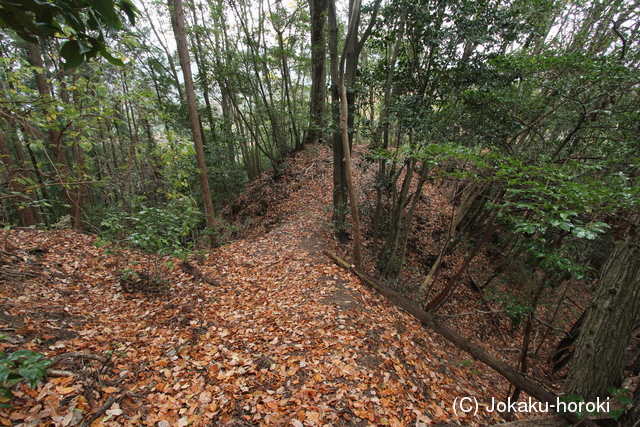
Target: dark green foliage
[
  {"x": 19, "y": 365},
  {"x": 514, "y": 308},
  {"x": 621, "y": 395},
  {"x": 164, "y": 230},
  {"x": 83, "y": 22},
  {"x": 227, "y": 178}
]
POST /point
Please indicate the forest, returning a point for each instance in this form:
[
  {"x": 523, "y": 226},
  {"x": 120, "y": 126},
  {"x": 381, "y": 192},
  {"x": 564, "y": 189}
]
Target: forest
[{"x": 457, "y": 179}]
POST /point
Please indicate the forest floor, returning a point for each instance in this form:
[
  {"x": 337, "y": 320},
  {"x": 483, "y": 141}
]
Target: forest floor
[{"x": 272, "y": 333}]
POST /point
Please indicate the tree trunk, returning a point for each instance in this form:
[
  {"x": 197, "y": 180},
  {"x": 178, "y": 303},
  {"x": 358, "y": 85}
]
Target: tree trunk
[
  {"x": 452, "y": 284},
  {"x": 318, "y": 10},
  {"x": 384, "y": 124},
  {"x": 606, "y": 330},
  {"x": 339, "y": 182},
  {"x": 177, "y": 21},
  {"x": 287, "y": 89},
  {"x": 20, "y": 200},
  {"x": 77, "y": 208},
  {"x": 344, "y": 130},
  {"x": 174, "y": 72},
  {"x": 22, "y": 161},
  {"x": 202, "y": 71},
  {"x": 55, "y": 136},
  {"x": 523, "y": 363},
  {"x": 352, "y": 50}
]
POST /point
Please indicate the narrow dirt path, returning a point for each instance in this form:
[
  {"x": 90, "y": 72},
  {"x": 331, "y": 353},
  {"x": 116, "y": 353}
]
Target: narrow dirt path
[
  {"x": 285, "y": 339},
  {"x": 335, "y": 353}
]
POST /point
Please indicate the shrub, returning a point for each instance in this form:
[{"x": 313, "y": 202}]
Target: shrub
[
  {"x": 19, "y": 365},
  {"x": 163, "y": 230}
]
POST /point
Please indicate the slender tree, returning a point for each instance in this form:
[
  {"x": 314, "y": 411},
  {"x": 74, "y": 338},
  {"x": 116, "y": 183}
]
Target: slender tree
[
  {"x": 349, "y": 59},
  {"x": 344, "y": 130},
  {"x": 318, "y": 9},
  {"x": 72, "y": 194},
  {"x": 178, "y": 23}
]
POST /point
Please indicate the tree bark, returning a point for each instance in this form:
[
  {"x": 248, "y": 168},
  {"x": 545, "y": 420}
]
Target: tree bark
[
  {"x": 344, "y": 129},
  {"x": 339, "y": 181},
  {"x": 452, "y": 284},
  {"x": 178, "y": 23},
  {"x": 61, "y": 166},
  {"x": 318, "y": 10},
  {"x": 20, "y": 200},
  {"x": 606, "y": 330}
]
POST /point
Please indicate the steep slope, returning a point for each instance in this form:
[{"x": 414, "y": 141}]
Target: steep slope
[{"x": 280, "y": 335}]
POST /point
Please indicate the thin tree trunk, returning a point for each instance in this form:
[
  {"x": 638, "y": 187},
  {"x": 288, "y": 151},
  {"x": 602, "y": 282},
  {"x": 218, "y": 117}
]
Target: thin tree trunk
[
  {"x": 202, "y": 71},
  {"x": 39, "y": 176},
  {"x": 286, "y": 77},
  {"x": 20, "y": 200},
  {"x": 163, "y": 44},
  {"x": 357, "y": 233},
  {"x": 178, "y": 23},
  {"x": 58, "y": 148},
  {"x": 452, "y": 284},
  {"x": 77, "y": 208},
  {"x": 408, "y": 219},
  {"x": 384, "y": 121},
  {"x": 23, "y": 162},
  {"x": 352, "y": 49},
  {"x": 523, "y": 363},
  {"x": 339, "y": 182}
]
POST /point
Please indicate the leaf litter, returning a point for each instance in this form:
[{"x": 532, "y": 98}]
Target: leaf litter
[{"x": 285, "y": 338}]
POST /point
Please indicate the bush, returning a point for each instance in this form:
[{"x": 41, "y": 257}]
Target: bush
[
  {"x": 163, "y": 230},
  {"x": 19, "y": 365}
]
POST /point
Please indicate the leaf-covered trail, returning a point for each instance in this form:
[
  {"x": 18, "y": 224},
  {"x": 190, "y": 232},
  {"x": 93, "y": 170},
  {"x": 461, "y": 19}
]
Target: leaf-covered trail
[{"x": 285, "y": 338}]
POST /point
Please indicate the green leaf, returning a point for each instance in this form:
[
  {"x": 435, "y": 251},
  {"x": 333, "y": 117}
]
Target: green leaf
[
  {"x": 109, "y": 57},
  {"x": 566, "y": 226},
  {"x": 84, "y": 47},
  {"x": 617, "y": 413},
  {"x": 107, "y": 13},
  {"x": 50, "y": 29},
  {"x": 4, "y": 373},
  {"x": 6, "y": 393},
  {"x": 43, "y": 364},
  {"x": 22, "y": 353},
  {"x": 128, "y": 8},
  {"x": 566, "y": 215},
  {"x": 71, "y": 53},
  {"x": 625, "y": 400},
  {"x": 20, "y": 21},
  {"x": 73, "y": 20},
  {"x": 32, "y": 374}
]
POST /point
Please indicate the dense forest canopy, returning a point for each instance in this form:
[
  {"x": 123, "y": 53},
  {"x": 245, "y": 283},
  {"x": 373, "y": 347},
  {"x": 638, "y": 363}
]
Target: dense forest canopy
[
  {"x": 524, "y": 112},
  {"x": 506, "y": 87}
]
